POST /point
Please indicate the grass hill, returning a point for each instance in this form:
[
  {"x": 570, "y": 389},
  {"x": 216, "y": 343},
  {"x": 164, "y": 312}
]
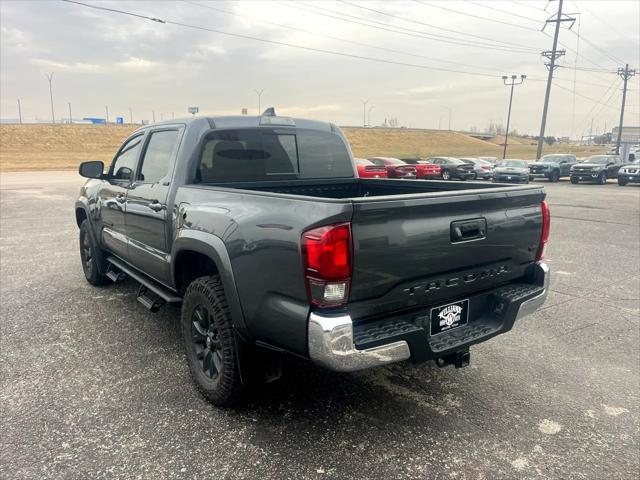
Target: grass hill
[{"x": 62, "y": 147}]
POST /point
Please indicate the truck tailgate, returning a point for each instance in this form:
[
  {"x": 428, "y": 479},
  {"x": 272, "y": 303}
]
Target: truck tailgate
[{"x": 426, "y": 249}]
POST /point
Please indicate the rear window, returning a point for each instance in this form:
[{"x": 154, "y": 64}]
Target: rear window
[{"x": 265, "y": 154}]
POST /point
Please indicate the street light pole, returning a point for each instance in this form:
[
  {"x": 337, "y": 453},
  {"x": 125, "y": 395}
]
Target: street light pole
[
  {"x": 50, "y": 78},
  {"x": 513, "y": 82},
  {"x": 106, "y": 109},
  {"x": 364, "y": 112},
  {"x": 70, "y": 116},
  {"x": 369, "y": 114},
  {"x": 259, "y": 94},
  {"x": 19, "y": 112}
]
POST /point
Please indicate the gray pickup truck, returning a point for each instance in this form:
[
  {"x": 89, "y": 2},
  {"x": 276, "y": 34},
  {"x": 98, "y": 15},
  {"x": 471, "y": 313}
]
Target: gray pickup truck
[
  {"x": 261, "y": 230},
  {"x": 553, "y": 166}
]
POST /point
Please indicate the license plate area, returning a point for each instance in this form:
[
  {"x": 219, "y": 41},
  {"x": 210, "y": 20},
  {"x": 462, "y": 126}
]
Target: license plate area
[{"x": 448, "y": 317}]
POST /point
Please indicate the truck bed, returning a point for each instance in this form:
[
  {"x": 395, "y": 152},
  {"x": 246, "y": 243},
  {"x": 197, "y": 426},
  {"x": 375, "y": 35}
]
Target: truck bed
[{"x": 364, "y": 188}]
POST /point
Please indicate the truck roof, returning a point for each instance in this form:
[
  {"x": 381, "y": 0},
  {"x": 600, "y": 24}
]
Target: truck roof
[{"x": 247, "y": 121}]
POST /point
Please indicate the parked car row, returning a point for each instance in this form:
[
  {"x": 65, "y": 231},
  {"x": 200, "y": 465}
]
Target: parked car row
[{"x": 553, "y": 167}]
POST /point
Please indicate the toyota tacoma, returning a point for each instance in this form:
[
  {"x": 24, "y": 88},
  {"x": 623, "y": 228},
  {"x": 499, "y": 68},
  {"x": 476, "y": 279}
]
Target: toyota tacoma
[
  {"x": 260, "y": 229},
  {"x": 552, "y": 167}
]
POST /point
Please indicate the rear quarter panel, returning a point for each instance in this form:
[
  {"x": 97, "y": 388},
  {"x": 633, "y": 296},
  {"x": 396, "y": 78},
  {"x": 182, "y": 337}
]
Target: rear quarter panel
[{"x": 261, "y": 233}]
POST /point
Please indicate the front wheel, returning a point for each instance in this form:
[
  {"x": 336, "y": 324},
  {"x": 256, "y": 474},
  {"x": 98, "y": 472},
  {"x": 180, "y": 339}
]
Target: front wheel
[
  {"x": 574, "y": 180},
  {"x": 622, "y": 182},
  {"x": 210, "y": 343},
  {"x": 602, "y": 178},
  {"x": 554, "y": 176},
  {"x": 90, "y": 255},
  {"x": 446, "y": 175}
]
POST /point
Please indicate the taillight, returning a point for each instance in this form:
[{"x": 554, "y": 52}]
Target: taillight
[
  {"x": 546, "y": 226},
  {"x": 326, "y": 254}
]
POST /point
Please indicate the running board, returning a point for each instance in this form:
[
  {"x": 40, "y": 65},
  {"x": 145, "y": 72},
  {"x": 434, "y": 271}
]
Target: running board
[{"x": 151, "y": 294}]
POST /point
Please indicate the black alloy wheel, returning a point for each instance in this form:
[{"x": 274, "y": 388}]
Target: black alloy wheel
[{"x": 206, "y": 341}]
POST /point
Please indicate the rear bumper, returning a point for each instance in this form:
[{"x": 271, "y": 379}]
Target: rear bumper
[{"x": 335, "y": 343}]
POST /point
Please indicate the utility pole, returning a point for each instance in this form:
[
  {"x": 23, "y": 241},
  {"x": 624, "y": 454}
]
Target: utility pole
[
  {"x": 440, "y": 122},
  {"x": 130, "y": 115},
  {"x": 551, "y": 56},
  {"x": 259, "y": 94},
  {"x": 513, "y": 83},
  {"x": 106, "y": 109},
  {"x": 19, "y": 112},
  {"x": 591, "y": 133},
  {"x": 626, "y": 74},
  {"x": 153, "y": 114},
  {"x": 50, "y": 78},
  {"x": 70, "y": 117},
  {"x": 364, "y": 112},
  {"x": 369, "y": 114}
]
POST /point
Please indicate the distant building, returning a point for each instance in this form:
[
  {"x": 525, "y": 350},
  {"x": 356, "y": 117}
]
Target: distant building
[{"x": 629, "y": 134}]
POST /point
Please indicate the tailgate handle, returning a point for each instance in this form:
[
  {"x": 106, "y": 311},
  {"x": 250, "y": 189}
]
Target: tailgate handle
[{"x": 466, "y": 230}]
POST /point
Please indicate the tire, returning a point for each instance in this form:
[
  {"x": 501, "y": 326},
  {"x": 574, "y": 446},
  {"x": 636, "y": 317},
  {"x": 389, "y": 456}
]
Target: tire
[
  {"x": 574, "y": 180},
  {"x": 446, "y": 175},
  {"x": 555, "y": 176},
  {"x": 602, "y": 178},
  {"x": 210, "y": 343},
  {"x": 621, "y": 182},
  {"x": 90, "y": 256}
]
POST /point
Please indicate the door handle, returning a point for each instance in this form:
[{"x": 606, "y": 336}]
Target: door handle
[
  {"x": 157, "y": 206},
  {"x": 120, "y": 198}
]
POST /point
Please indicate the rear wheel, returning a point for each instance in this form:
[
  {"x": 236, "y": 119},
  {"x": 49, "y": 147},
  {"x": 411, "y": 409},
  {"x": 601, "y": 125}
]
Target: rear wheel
[
  {"x": 90, "y": 255},
  {"x": 622, "y": 182},
  {"x": 602, "y": 178},
  {"x": 574, "y": 180},
  {"x": 210, "y": 343},
  {"x": 446, "y": 175},
  {"x": 554, "y": 176}
]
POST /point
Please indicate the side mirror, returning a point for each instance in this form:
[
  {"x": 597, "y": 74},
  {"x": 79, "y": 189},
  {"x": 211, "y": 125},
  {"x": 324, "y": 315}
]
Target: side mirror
[{"x": 92, "y": 169}]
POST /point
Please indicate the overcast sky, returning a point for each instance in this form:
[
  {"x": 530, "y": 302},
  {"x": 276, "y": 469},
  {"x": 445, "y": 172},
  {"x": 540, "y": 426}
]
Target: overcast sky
[{"x": 101, "y": 58}]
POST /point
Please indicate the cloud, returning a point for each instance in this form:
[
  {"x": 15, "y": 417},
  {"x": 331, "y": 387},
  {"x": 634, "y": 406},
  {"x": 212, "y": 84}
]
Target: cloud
[{"x": 69, "y": 67}]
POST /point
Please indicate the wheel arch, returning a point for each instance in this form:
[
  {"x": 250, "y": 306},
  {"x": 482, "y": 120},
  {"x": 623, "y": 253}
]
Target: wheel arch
[{"x": 195, "y": 254}]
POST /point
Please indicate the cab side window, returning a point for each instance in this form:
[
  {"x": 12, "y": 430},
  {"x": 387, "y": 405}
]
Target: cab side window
[
  {"x": 161, "y": 148},
  {"x": 124, "y": 164}
]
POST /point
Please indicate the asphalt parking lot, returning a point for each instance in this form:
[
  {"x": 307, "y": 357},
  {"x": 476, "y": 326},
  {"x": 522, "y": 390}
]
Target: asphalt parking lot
[{"x": 95, "y": 386}]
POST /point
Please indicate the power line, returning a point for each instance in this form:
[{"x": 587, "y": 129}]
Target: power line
[
  {"x": 367, "y": 45},
  {"x": 603, "y": 52},
  {"x": 404, "y": 30},
  {"x": 353, "y": 42},
  {"x": 476, "y": 16},
  {"x": 417, "y": 22},
  {"x": 525, "y": 4},
  {"x": 505, "y": 12},
  {"x": 275, "y": 42}
]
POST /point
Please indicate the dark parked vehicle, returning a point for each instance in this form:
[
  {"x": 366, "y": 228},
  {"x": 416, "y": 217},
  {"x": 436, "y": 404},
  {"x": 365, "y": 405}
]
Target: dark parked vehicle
[
  {"x": 260, "y": 228},
  {"x": 511, "y": 171},
  {"x": 366, "y": 169},
  {"x": 396, "y": 168},
  {"x": 482, "y": 168},
  {"x": 453, "y": 168},
  {"x": 424, "y": 169},
  {"x": 553, "y": 166},
  {"x": 629, "y": 173},
  {"x": 596, "y": 168}
]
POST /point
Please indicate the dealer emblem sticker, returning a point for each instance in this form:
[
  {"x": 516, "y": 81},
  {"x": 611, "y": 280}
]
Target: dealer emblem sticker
[{"x": 450, "y": 316}]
